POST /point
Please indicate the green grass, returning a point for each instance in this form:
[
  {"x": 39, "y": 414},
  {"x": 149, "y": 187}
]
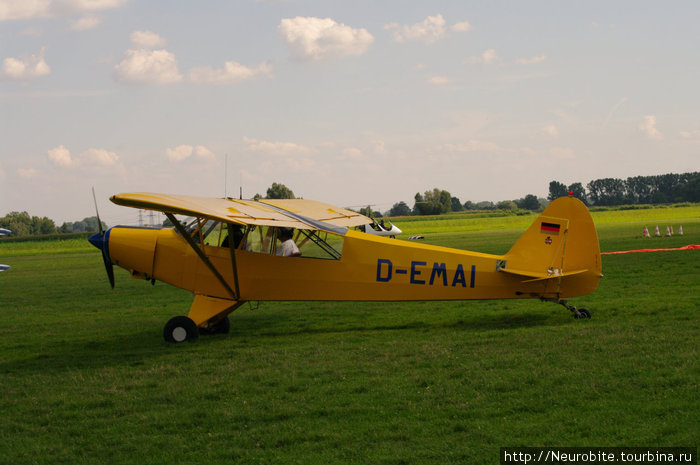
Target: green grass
[{"x": 86, "y": 378}]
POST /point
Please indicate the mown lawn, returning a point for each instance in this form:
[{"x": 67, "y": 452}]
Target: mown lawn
[{"x": 86, "y": 377}]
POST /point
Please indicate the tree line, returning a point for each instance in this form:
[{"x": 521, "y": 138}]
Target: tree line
[
  {"x": 664, "y": 188},
  {"x": 21, "y": 224}
]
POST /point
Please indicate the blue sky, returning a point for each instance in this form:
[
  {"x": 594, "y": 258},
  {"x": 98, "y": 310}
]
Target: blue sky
[{"x": 350, "y": 103}]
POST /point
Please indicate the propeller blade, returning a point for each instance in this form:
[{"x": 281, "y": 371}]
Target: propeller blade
[
  {"x": 109, "y": 267},
  {"x": 99, "y": 240},
  {"x": 97, "y": 213}
]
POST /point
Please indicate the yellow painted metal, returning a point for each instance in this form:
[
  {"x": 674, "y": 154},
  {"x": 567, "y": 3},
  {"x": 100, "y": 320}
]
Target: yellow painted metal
[
  {"x": 542, "y": 263},
  {"x": 205, "y": 308}
]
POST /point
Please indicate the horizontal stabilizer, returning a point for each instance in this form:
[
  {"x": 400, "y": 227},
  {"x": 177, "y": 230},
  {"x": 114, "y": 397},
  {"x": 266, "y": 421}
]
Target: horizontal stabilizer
[
  {"x": 536, "y": 276},
  {"x": 549, "y": 274}
]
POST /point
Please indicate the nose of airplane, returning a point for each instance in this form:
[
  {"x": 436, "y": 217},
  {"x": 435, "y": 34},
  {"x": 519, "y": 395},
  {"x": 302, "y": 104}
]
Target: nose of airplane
[
  {"x": 97, "y": 240},
  {"x": 101, "y": 241}
]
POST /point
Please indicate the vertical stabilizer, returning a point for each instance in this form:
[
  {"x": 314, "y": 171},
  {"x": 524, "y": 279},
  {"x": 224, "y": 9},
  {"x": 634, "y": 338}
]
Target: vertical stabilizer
[{"x": 560, "y": 248}]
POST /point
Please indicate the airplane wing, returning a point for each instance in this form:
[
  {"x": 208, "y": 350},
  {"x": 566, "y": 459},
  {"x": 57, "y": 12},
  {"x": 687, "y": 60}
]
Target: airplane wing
[
  {"x": 320, "y": 211},
  {"x": 290, "y": 213}
]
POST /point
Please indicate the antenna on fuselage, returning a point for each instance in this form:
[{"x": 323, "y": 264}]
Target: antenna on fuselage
[{"x": 226, "y": 176}]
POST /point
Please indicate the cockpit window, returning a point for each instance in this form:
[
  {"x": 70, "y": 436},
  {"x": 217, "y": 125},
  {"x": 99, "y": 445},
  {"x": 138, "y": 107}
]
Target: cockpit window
[
  {"x": 311, "y": 244},
  {"x": 264, "y": 239}
]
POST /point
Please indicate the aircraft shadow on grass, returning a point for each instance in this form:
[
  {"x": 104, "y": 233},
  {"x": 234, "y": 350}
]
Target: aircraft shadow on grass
[{"x": 135, "y": 349}]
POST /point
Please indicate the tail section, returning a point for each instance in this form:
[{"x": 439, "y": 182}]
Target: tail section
[{"x": 559, "y": 250}]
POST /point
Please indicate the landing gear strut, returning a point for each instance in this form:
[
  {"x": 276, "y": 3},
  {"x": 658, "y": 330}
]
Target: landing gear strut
[{"x": 579, "y": 313}]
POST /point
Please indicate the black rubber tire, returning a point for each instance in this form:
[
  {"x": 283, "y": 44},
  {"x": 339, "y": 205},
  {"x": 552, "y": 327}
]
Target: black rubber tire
[
  {"x": 180, "y": 329},
  {"x": 584, "y": 312}
]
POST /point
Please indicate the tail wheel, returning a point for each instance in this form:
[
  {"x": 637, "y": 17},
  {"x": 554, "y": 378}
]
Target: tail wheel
[
  {"x": 584, "y": 313},
  {"x": 180, "y": 329}
]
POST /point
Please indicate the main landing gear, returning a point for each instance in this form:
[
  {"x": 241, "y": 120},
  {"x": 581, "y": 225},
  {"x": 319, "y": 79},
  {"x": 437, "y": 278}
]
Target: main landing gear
[
  {"x": 183, "y": 329},
  {"x": 578, "y": 313}
]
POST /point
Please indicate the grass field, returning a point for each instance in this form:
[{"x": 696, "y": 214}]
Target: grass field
[{"x": 86, "y": 378}]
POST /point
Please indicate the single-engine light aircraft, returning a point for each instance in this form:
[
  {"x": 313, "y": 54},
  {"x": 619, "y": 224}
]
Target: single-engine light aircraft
[{"x": 233, "y": 251}]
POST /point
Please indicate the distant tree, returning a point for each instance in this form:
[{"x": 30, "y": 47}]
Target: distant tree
[
  {"x": 21, "y": 224},
  {"x": 66, "y": 227},
  {"x": 469, "y": 205},
  {"x": 506, "y": 205},
  {"x": 399, "y": 209},
  {"x": 579, "y": 192},
  {"x": 529, "y": 202},
  {"x": 432, "y": 202},
  {"x": 456, "y": 205},
  {"x": 556, "y": 190},
  {"x": 690, "y": 190},
  {"x": 367, "y": 211},
  {"x": 485, "y": 205},
  {"x": 279, "y": 191},
  {"x": 607, "y": 191}
]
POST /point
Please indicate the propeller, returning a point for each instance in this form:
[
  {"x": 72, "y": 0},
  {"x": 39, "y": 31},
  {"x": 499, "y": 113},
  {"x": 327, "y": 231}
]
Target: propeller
[{"x": 101, "y": 240}]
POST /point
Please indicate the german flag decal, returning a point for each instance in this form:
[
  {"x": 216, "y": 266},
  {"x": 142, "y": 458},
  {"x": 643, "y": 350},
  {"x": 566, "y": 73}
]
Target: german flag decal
[{"x": 550, "y": 228}]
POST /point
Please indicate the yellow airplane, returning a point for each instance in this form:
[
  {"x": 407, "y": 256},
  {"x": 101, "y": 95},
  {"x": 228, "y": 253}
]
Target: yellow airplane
[{"x": 234, "y": 251}]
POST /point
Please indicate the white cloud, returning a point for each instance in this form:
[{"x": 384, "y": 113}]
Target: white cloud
[
  {"x": 146, "y": 39},
  {"x": 179, "y": 153},
  {"x": 86, "y": 22},
  {"x": 26, "y": 173},
  {"x": 690, "y": 134},
  {"x": 472, "y": 146},
  {"x": 101, "y": 157},
  {"x": 488, "y": 57},
  {"x": 31, "y": 9},
  {"x": 2, "y": 172},
  {"x": 148, "y": 66},
  {"x": 25, "y": 68},
  {"x": 277, "y": 148},
  {"x": 353, "y": 154},
  {"x": 550, "y": 130},
  {"x": 648, "y": 128},
  {"x": 430, "y": 30},
  {"x": 316, "y": 39},
  {"x": 182, "y": 152},
  {"x": 24, "y": 9},
  {"x": 232, "y": 72},
  {"x": 462, "y": 26},
  {"x": 60, "y": 156},
  {"x": 203, "y": 152},
  {"x": 533, "y": 60},
  {"x": 439, "y": 80}
]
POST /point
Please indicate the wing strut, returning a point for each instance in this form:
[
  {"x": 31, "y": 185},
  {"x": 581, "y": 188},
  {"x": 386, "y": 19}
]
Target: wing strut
[
  {"x": 202, "y": 256},
  {"x": 232, "y": 248}
]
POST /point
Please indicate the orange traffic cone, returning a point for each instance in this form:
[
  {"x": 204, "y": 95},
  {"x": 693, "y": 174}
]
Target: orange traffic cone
[
  {"x": 657, "y": 233},
  {"x": 645, "y": 232},
  {"x": 680, "y": 230}
]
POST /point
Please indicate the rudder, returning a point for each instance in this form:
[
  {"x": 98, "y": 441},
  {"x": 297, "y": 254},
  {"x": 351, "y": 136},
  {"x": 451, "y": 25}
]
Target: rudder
[{"x": 560, "y": 248}]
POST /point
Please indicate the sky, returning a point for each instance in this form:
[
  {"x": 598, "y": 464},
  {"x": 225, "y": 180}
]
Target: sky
[{"x": 352, "y": 103}]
